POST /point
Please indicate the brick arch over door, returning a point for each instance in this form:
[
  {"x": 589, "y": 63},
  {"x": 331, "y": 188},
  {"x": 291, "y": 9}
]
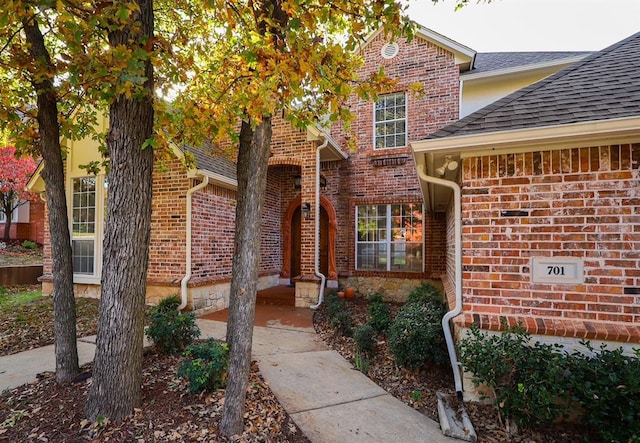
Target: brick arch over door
[{"x": 326, "y": 204}]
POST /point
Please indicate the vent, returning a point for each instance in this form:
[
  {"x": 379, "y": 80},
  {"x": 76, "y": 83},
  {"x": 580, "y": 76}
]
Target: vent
[{"x": 390, "y": 50}]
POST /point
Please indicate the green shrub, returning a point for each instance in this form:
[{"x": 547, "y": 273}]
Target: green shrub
[
  {"x": 206, "y": 365},
  {"x": 425, "y": 293},
  {"x": 333, "y": 305},
  {"x": 606, "y": 383},
  {"x": 365, "y": 338},
  {"x": 416, "y": 336},
  {"x": 361, "y": 363},
  {"x": 170, "y": 330},
  {"x": 28, "y": 244},
  {"x": 379, "y": 314},
  {"x": 527, "y": 379},
  {"x": 342, "y": 323}
]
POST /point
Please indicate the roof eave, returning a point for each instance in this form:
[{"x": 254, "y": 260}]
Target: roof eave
[
  {"x": 599, "y": 132},
  {"x": 214, "y": 178},
  {"x": 522, "y": 69},
  {"x": 464, "y": 56}
]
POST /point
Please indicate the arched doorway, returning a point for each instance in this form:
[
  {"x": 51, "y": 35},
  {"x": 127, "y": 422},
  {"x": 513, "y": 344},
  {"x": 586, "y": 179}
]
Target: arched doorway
[{"x": 292, "y": 235}]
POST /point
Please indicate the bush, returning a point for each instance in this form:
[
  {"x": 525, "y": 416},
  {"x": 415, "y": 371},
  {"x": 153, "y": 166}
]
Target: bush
[
  {"x": 170, "y": 330},
  {"x": 342, "y": 323},
  {"x": 28, "y": 244},
  {"x": 425, "y": 293},
  {"x": 365, "y": 338},
  {"x": 206, "y": 366},
  {"x": 606, "y": 383},
  {"x": 527, "y": 380},
  {"x": 379, "y": 314},
  {"x": 415, "y": 335},
  {"x": 332, "y": 305}
]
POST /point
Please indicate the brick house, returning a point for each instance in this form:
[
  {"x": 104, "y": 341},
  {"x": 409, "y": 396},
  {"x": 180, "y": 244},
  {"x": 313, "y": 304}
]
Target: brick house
[
  {"x": 549, "y": 204},
  {"x": 373, "y": 230},
  {"x": 27, "y": 222}
]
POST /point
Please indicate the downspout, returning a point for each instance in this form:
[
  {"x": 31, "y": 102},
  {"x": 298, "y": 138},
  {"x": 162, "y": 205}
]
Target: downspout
[
  {"x": 316, "y": 264},
  {"x": 187, "y": 276},
  {"x": 446, "y": 326}
]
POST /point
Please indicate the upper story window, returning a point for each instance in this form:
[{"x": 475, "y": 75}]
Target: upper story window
[{"x": 390, "y": 121}]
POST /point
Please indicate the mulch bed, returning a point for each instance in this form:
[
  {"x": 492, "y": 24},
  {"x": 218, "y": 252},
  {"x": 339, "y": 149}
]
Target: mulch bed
[
  {"x": 418, "y": 388},
  {"x": 44, "y": 411},
  {"x": 30, "y": 326}
]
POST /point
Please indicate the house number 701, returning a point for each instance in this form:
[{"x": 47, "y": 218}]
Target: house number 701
[{"x": 555, "y": 270}]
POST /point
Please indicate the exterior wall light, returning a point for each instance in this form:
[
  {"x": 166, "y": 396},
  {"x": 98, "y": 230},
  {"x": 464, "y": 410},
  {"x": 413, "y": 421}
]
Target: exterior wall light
[
  {"x": 306, "y": 210},
  {"x": 449, "y": 164}
]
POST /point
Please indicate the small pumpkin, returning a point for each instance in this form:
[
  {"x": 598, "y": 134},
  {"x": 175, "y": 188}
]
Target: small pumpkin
[{"x": 349, "y": 292}]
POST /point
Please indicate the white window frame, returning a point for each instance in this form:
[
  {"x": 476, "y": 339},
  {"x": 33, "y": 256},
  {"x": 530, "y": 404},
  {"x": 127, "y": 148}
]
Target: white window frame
[
  {"x": 376, "y": 122},
  {"x": 98, "y": 234},
  {"x": 389, "y": 243}
]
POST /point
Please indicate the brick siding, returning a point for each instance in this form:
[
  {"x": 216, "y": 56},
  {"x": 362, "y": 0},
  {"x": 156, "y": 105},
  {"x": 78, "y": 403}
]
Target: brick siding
[
  {"x": 574, "y": 202},
  {"x": 388, "y": 176}
]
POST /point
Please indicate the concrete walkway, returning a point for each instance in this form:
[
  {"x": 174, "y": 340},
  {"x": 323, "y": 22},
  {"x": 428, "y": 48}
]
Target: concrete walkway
[{"x": 326, "y": 397}]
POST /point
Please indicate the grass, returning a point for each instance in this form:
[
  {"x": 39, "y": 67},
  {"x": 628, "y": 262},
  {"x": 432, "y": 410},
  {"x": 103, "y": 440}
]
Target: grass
[{"x": 16, "y": 297}]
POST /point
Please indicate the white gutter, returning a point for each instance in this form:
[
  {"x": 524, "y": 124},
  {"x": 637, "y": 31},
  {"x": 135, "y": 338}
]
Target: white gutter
[
  {"x": 316, "y": 264},
  {"x": 446, "y": 326},
  {"x": 187, "y": 276}
]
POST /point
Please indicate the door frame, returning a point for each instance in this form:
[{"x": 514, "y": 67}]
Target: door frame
[{"x": 287, "y": 240}]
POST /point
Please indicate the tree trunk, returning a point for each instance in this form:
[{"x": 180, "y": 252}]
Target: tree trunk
[
  {"x": 253, "y": 161},
  {"x": 8, "y": 215},
  {"x": 64, "y": 302},
  {"x": 117, "y": 369}
]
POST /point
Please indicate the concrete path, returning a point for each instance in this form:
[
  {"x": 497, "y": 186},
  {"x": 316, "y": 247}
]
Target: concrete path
[{"x": 326, "y": 397}]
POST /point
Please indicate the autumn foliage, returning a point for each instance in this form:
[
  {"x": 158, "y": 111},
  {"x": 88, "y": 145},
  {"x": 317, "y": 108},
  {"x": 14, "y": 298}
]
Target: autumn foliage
[{"x": 14, "y": 175}]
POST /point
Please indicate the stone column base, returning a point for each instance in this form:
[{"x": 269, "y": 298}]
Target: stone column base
[{"x": 306, "y": 293}]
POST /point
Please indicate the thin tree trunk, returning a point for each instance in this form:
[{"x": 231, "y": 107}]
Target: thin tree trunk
[
  {"x": 64, "y": 302},
  {"x": 117, "y": 378},
  {"x": 8, "y": 215},
  {"x": 253, "y": 161}
]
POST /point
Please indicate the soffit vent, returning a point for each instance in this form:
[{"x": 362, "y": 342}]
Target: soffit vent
[{"x": 389, "y": 50}]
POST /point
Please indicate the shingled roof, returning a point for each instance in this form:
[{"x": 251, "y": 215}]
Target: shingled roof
[
  {"x": 497, "y": 61},
  {"x": 207, "y": 160},
  {"x": 603, "y": 86}
]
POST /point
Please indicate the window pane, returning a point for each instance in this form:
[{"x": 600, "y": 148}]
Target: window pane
[
  {"x": 82, "y": 256},
  {"x": 390, "y": 121},
  {"x": 403, "y": 251}
]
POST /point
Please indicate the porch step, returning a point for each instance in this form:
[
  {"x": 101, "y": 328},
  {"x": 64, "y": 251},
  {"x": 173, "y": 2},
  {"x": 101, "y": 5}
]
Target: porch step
[{"x": 277, "y": 295}]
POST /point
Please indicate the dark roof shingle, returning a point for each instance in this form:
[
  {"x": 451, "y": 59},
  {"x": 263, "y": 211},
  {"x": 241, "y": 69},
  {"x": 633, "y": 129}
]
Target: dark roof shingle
[
  {"x": 495, "y": 61},
  {"x": 206, "y": 159},
  {"x": 603, "y": 86}
]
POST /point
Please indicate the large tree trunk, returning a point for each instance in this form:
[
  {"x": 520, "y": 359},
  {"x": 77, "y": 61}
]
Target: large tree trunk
[
  {"x": 253, "y": 161},
  {"x": 117, "y": 370},
  {"x": 64, "y": 302}
]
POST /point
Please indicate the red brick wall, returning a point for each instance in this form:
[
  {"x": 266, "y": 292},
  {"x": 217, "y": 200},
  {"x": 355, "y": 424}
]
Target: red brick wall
[
  {"x": 34, "y": 230},
  {"x": 213, "y": 228},
  {"x": 271, "y": 240},
  {"x": 168, "y": 224},
  {"x": 36, "y": 221},
  {"x": 359, "y": 181},
  {"x": 577, "y": 202}
]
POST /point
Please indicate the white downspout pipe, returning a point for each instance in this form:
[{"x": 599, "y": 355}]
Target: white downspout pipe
[
  {"x": 316, "y": 262},
  {"x": 187, "y": 276},
  {"x": 446, "y": 326}
]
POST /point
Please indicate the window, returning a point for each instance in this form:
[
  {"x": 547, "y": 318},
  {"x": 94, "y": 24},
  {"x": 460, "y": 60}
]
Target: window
[
  {"x": 389, "y": 237},
  {"x": 14, "y": 216},
  {"x": 87, "y": 203},
  {"x": 83, "y": 230},
  {"x": 390, "y": 121}
]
